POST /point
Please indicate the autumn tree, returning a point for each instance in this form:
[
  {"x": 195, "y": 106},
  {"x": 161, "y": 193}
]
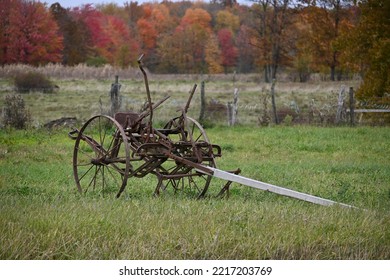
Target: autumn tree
[
  {"x": 111, "y": 37},
  {"x": 303, "y": 60},
  {"x": 155, "y": 24},
  {"x": 273, "y": 18},
  {"x": 326, "y": 18},
  {"x": 5, "y": 8},
  {"x": 226, "y": 3},
  {"x": 229, "y": 52},
  {"x": 29, "y": 33},
  {"x": 226, "y": 19},
  {"x": 93, "y": 19},
  {"x": 213, "y": 55},
  {"x": 185, "y": 48},
  {"x": 77, "y": 41},
  {"x": 112, "y": 9},
  {"x": 133, "y": 12},
  {"x": 368, "y": 48},
  {"x": 147, "y": 29},
  {"x": 247, "y": 53}
]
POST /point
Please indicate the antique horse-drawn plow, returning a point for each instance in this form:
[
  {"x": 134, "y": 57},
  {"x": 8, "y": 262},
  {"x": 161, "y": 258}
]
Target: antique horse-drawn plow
[{"x": 109, "y": 151}]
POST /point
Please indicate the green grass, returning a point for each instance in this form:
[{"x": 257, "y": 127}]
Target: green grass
[{"x": 43, "y": 217}]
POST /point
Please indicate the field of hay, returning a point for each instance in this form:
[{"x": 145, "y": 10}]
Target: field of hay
[{"x": 42, "y": 216}]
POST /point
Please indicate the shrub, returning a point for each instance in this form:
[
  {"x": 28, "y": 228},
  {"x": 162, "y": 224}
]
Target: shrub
[
  {"x": 32, "y": 81},
  {"x": 96, "y": 61},
  {"x": 15, "y": 113}
]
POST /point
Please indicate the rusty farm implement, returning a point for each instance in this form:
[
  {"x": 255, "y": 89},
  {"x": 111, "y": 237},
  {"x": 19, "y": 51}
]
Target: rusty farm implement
[{"x": 109, "y": 151}]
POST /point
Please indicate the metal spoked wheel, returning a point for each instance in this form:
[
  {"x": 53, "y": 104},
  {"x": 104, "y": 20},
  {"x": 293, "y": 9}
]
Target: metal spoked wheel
[
  {"x": 101, "y": 161},
  {"x": 182, "y": 178}
]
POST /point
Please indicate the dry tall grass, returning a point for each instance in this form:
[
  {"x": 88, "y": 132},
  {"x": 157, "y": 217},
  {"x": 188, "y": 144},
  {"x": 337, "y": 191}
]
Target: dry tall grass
[{"x": 81, "y": 71}]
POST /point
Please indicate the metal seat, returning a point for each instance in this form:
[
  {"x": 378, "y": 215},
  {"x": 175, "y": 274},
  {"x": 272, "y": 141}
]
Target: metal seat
[{"x": 126, "y": 119}]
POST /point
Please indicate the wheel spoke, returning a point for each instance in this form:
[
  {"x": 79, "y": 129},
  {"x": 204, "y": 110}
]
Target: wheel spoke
[{"x": 82, "y": 177}]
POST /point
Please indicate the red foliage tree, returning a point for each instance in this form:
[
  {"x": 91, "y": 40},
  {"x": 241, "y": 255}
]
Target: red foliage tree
[
  {"x": 111, "y": 37},
  {"x": 29, "y": 34},
  {"x": 228, "y": 51},
  {"x": 156, "y": 22}
]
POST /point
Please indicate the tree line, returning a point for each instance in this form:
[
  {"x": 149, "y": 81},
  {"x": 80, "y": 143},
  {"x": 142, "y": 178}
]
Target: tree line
[{"x": 334, "y": 37}]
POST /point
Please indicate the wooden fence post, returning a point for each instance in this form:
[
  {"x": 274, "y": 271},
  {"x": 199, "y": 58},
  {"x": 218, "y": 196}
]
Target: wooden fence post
[
  {"x": 202, "y": 102},
  {"x": 273, "y": 101},
  {"x": 115, "y": 96},
  {"x": 340, "y": 105},
  {"x": 233, "y": 109},
  {"x": 352, "y": 106}
]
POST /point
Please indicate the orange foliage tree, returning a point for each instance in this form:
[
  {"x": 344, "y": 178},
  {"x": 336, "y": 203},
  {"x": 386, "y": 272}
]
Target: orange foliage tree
[
  {"x": 155, "y": 24},
  {"x": 273, "y": 17},
  {"x": 213, "y": 55},
  {"x": 200, "y": 37},
  {"x": 326, "y": 19},
  {"x": 184, "y": 51}
]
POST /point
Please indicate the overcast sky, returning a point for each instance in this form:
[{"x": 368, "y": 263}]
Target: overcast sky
[{"x": 76, "y": 3}]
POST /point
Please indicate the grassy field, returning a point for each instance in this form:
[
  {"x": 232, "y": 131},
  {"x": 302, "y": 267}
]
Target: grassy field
[{"x": 43, "y": 217}]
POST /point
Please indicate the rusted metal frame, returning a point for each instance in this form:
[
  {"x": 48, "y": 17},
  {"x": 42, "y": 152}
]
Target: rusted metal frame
[
  {"x": 180, "y": 171},
  {"x": 148, "y": 167},
  {"x": 195, "y": 142},
  {"x": 147, "y": 90},
  {"x": 150, "y": 129},
  {"x": 72, "y": 133},
  {"x": 135, "y": 143},
  {"x": 153, "y": 160},
  {"x": 225, "y": 189},
  {"x": 107, "y": 157},
  {"x": 178, "y": 123},
  {"x": 198, "y": 166},
  {"x": 92, "y": 143},
  {"x": 206, "y": 148},
  {"x": 189, "y": 99},
  {"x": 195, "y": 149},
  {"x": 161, "y": 176},
  {"x": 154, "y": 106},
  {"x": 152, "y": 149}
]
